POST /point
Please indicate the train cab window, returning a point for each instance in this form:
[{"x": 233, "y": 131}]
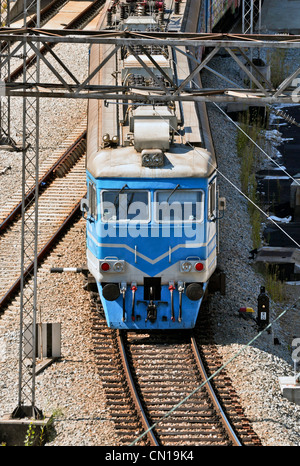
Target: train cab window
[
  {"x": 93, "y": 200},
  {"x": 179, "y": 205},
  {"x": 212, "y": 200},
  {"x": 125, "y": 205}
]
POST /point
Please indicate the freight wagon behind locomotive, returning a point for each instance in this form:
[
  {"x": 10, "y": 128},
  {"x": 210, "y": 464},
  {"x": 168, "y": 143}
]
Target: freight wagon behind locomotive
[{"x": 151, "y": 204}]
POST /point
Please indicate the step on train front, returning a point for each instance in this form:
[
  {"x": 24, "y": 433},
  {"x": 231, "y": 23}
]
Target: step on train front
[{"x": 151, "y": 206}]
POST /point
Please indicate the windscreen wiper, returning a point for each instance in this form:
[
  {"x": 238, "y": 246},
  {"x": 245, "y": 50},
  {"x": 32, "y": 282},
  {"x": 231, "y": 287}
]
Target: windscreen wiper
[
  {"x": 117, "y": 196},
  {"x": 176, "y": 187}
]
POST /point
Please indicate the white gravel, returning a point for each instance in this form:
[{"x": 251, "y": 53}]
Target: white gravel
[
  {"x": 256, "y": 369},
  {"x": 71, "y": 388}
]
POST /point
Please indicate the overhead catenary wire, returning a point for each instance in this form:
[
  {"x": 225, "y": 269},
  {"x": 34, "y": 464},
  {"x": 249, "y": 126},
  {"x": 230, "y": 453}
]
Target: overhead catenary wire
[
  {"x": 254, "y": 204},
  {"x": 236, "y": 187},
  {"x": 236, "y": 355},
  {"x": 228, "y": 180},
  {"x": 255, "y": 143},
  {"x": 277, "y": 112},
  {"x": 243, "y": 349}
]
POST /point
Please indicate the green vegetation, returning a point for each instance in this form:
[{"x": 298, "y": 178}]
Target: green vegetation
[
  {"x": 276, "y": 59},
  {"x": 30, "y": 435},
  {"x": 249, "y": 160},
  {"x": 275, "y": 287},
  {"x": 249, "y": 157},
  {"x": 39, "y": 435}
]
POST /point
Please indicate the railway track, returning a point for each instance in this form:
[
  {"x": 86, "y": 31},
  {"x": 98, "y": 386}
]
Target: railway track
[
  {"x": 62, "y": 187},
  {"x": 79, "y": 22},
  {"x": 47, "y": 13},
  {"x": 57, "y": 165},
  {"x": 146, "y": 376}
]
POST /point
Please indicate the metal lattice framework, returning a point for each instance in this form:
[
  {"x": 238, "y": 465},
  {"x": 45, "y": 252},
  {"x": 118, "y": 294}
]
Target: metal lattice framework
[
  {"x": 29, "y": 239},
  {"x": 251, "y": 16},
  {"x": 4, "y": 72},
  {"x": 238, "y": 47}
]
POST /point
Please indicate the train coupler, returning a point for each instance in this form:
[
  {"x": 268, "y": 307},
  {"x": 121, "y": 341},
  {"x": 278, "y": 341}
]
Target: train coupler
[
  {"x": 180, "y": 291},
  {"x": 172, "y": 288},
  {"x": 133, "y": 289},
  {"x": 123, "y": 291},
  {"x": 151, "y": 312}
]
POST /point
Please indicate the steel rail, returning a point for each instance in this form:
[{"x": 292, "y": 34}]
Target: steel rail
[
  {"x": 225, "y": 421},
  {"x": 134, "y": 393},
  {"x": 47, "y": 12},
  {"x": 228, "y": 433},
  {"x": 41, "y": 255},
  {"x": 44, "y": 179},
  {"x": 77, "y": 22},
  {"x": 80, "y": 19}
]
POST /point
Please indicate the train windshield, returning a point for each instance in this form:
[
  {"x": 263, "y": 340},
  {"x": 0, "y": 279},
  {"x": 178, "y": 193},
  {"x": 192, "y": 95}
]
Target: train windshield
[
  {"x": 125, "y": 205},
  {"x": 179, "y": 205}
]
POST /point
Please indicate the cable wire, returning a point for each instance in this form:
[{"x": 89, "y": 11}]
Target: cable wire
[
  {"x": 240, "y": 129},
  {"x": 258, "y": 147},
  {"x": 229, "y": 181},
  {"x": 236, "y": 355},
  {"x": 235, "y": 187},
  {"x": 270, "y": 324}
]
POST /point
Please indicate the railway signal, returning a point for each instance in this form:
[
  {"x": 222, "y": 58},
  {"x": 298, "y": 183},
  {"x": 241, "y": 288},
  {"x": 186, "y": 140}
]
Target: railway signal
[{"x": 263, "y": 308}]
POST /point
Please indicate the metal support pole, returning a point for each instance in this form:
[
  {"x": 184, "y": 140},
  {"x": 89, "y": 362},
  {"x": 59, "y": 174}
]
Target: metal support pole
[
  {"x": 251, "y": 13},
  {"x": 29, "y": 240},
  {"x": 206, "y": 15},
  {"x": 5, "y": 139}
]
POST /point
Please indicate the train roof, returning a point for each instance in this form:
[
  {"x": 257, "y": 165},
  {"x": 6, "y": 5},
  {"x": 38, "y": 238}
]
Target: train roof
[{"x": 180, "y": 161}]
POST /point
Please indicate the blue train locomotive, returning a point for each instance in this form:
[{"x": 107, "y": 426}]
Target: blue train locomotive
[{"x": 151, "y": 210}]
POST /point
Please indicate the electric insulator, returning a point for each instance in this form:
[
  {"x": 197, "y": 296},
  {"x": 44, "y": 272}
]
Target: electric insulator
[
  {"x": 161, "y": 15},
  {"x": 123, "y": 11},
  {"x": 109, "y": 17},
  {"x": 287, "y": 117},
  {"x": 141, "y": 9}
]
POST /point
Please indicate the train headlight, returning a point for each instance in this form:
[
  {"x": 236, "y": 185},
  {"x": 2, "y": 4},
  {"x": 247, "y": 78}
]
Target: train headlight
[
  {"x": 186, "y": 266},
  {"x": 191, "y": 266},
  {"x": 118, "y": 266},
  {"x": 112, "y": 265},
  {"x": 152, "y": 158}
]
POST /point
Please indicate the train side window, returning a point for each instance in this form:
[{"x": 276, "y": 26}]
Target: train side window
[
  {"x": 93, "y": 200},
  {"x": 212, "y": 199}
]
